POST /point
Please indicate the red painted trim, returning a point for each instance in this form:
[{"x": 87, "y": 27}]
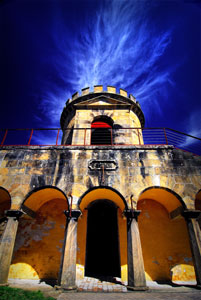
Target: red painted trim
[{"x": 99, "y": 124}]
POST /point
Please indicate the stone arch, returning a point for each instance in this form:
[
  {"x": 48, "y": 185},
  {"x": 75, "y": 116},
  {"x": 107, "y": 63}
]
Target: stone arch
[
  {"x": 102, "y": 192},
  {"x": 94, "y": 115},
  {"x": 39, "y": 196},
  {"x": 93, "y": 201},
  {"x": 164, "y": 235},
  {"x": 5, "y": 204},
  {"x": 39, "y": 241},
  {"x": 165, "y": 196},
  {"x": 105, "y": 118}
]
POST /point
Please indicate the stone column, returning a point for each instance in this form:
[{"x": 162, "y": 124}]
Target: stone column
[
  {"x": 195, "y": 240},
  {"x": 136, "y": 274},
  {"x": 68, "y": 273},
  {"x": 7, "y": 243}
]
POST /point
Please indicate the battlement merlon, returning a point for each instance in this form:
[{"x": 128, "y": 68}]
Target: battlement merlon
[{"x": 98, "y": 91}]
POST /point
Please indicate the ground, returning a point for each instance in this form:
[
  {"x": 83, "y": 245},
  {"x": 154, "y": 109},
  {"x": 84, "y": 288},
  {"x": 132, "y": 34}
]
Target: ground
[{"x": 155, "y": 292}]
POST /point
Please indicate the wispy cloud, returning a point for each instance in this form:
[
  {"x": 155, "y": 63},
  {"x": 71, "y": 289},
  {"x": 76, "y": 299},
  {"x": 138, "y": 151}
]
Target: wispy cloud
[
  {"x": 118, "y": 46},
  {"x": 193, "y": 127},
  {"x": 122, "y": 49},
  {"x": 46, "y": 137}
]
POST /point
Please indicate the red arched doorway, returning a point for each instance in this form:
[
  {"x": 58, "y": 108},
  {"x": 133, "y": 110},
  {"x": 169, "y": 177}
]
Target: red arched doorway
[{"x": 101, "y": 131}]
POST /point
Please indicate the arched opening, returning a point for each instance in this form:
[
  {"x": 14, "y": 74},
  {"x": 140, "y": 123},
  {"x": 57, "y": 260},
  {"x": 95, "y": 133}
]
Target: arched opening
[
  {"x": 164, "y": 237},
  {"x": 102, "y": 235},
  {"x": 5, "y": 203},
  {"x": 39, "y": 241},
  {"x": 102, "y": 247},
  {"x": 198, "y": 206},
  {"x": 101, "y": 131}
]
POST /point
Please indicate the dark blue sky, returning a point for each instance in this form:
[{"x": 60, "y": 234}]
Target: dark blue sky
[{"x": 52, "y": 48}]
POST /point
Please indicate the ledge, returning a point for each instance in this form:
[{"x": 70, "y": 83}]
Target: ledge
[{"x": 98, "y": 147}]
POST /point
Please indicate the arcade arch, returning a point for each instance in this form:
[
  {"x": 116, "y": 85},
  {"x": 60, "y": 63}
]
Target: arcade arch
[
  {"x": 39, "y": 241},
  {"x": 164, "y": 236},
  {"x": 102, "y": 235}
]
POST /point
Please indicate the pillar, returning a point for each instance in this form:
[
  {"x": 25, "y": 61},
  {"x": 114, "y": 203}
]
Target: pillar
[
  {"x": 68, "y": 273},
  {"x": 7, "y": 243},
  {"x": 136, "y": 274},
  {"x": 195, "y": 240}
]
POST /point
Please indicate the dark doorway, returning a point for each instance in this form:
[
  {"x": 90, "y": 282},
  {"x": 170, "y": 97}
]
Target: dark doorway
[
  {"x": 101, "y": 132},
  {"x": 102, "y": 249}
]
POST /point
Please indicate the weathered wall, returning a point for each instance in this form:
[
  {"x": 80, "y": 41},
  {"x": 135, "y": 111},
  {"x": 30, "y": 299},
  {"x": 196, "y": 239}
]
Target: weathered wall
[
  {"x": 122, "y": 118},
  {"x": 39, "y": 241},
  {"x": 165, "y": 244},
  {"x": 23, "y": 170}
]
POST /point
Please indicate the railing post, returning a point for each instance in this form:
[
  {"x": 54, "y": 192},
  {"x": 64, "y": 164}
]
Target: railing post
[
  {"x": 30, "y": 137},
  {"x": 165, "y": 136},
  {"x": 57, "y": 136},
  {"x": 85, "y": 136},
  {"x": 3, "y": 140},
  {"x": 138, "y": 136},
  {"x": 111, "y": 136}
]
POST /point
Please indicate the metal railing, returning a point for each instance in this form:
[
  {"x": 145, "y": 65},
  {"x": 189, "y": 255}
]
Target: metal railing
[{"x": 113, "y": 136}]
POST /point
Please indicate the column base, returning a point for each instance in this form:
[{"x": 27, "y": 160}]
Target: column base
[
  {"x": 68, "y": 288},
  {"x": 4, "y": 284},
  {"x": 137, "y": 288}
]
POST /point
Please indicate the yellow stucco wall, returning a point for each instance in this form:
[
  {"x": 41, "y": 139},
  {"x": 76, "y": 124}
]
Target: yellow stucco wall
[
  {"x": 39, "y": 242},
  {"x": 81, "y": 245},
  {"x": 122, "y": 226},
  {"x": 165, "y": 244}
]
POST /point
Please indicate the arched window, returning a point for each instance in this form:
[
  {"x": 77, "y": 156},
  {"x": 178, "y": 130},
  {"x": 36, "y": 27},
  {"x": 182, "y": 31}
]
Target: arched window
[{"x": 101, "y": 131}]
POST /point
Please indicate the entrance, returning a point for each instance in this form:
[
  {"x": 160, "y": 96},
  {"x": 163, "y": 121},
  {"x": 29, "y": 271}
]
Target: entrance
[{"x": 102, "y": 249}]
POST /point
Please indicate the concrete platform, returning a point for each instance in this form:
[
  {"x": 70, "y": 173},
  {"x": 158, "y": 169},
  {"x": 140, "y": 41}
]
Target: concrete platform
[
  {"x": 92, "y": 289},
  {"x": 131, "y": 296}
]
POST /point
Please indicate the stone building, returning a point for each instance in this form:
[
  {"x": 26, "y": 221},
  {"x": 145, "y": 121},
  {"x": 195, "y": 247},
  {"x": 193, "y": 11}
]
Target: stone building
[{"x": 131, "y": 210}]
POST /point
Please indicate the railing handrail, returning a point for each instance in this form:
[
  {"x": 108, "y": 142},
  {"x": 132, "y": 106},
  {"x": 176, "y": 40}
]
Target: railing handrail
[
  {"x": 82, "y": 128},
  {"x": 145, "y": 136},
  {"x": 180, "y": 132}
]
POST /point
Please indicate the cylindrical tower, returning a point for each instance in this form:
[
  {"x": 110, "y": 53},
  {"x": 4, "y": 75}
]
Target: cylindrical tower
[{"x": 102, "y": 118}]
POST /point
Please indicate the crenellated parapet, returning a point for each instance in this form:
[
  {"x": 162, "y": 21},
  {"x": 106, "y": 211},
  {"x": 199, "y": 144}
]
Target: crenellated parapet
[
  {"x": 111, "y": 94},
  {"x": 99, "y": 89}
]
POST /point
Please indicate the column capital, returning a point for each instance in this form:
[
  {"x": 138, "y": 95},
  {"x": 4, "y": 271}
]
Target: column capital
[
  {"x": 73, "y": 214},
  {"x": 14, "y": 213},
  {"x": 191, "y": 214},
  {"x": 132, "y": 214}
]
